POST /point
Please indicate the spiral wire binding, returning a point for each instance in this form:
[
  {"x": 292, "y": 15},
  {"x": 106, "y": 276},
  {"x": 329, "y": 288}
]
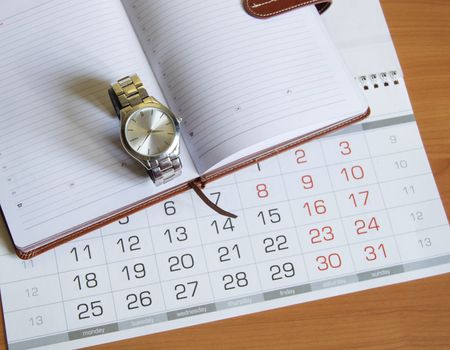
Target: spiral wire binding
[{"x": 375, "y": 81}]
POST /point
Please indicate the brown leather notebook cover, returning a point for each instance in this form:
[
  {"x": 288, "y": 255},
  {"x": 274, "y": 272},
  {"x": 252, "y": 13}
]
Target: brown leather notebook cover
[{"x": 269, "y": 8}]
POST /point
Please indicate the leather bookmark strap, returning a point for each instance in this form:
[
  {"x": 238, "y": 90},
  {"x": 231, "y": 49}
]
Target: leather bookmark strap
[
  {"x": 269, "y": 8},
  {"x": 197, "y": 186}
]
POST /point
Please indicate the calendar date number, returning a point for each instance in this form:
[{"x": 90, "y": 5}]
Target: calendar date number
[
  {"x": 233, "y": 281},
  {"x": 186, "y": 290},
  {"x": 136, "y": 301},
  {"x": 88, "y": 310},
  {"x": 280, "y": 272}
]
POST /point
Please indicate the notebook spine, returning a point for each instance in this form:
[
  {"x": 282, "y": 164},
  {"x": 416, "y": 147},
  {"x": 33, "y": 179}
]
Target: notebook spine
[{"x": 379, "y": 80}]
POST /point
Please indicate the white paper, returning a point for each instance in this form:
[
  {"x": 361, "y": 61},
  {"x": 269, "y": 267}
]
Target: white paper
[{"x": 351, "y": 211}]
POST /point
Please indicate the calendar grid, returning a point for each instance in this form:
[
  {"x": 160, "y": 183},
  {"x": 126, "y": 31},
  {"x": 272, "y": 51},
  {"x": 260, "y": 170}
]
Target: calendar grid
[
  {"x": 292, "y": 215},
  {"x": 267, "y": 295},
  {"x": 60, "y": 288},
  {"x": 108, "y": 273},
  {"x": 331, "y": 164},
  {"x": 261, "y": 234},
  {"x": 397, "y": 153},
  {"x": 247, "y": 228},
  {"x": 156, "y": 260},
  {"x": 448, "y": 258},
  {"x": 382, "y": 197},
  {"x": 268, "y": 260},
  {"x": 419, "y": 230},
  {"x": 337, "y": 206},
  {"x": 202, "y": 245},
  {"x": 345, "y": 216},
  {"x": 25, "y": 308},
  {"x": 129, "y": 259},
  {"x": 331, "y": 192}
]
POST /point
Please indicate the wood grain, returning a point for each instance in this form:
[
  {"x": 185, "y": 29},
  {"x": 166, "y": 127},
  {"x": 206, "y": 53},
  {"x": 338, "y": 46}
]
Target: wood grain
[{"x": 413, "y": 315}]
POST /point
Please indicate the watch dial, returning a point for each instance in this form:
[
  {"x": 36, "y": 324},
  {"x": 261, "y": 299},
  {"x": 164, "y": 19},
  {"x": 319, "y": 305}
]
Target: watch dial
[{"x": 150, "y": 131}]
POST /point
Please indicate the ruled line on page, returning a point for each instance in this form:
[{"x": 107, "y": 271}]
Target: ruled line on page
[
  {"x": 77, "y": 207},
  {"x": 223, "y": 140},
  {"x": 312, "y": 75},
  {"x": 264, "y": 95},
  {"x": 330, "y": 94}
]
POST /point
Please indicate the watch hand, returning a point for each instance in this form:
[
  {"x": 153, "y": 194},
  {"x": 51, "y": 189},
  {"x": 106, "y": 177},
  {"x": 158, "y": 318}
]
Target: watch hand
[{"x": 146, "y": 137}]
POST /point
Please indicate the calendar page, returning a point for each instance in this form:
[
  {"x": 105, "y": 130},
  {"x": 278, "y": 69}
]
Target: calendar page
[{"x": 353, "y": 210}]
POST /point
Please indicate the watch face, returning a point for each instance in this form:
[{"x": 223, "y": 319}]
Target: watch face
[{"x": 150, "y": 131}]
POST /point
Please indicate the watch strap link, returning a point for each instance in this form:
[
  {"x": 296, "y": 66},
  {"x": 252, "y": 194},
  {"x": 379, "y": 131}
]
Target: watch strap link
[
  {"x": 164, "y": 170},
  {"x": 130, "y": 91}
]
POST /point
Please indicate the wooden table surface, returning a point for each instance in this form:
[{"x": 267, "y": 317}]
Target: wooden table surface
[{"x": 413, "y": 315}]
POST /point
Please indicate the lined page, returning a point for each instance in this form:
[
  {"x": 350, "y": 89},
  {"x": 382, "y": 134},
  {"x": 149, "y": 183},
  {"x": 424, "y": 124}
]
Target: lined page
[
  {"x": 61, "y": 162},
  {"x": 239, "y": 81}
]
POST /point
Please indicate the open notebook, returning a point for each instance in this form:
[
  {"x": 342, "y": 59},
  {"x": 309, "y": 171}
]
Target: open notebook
[{"x": 246, "y": 88}]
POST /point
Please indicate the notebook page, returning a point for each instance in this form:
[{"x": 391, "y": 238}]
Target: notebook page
[
  {"x": 61, "y": 162},
  {"x": 239, "y": 81}
]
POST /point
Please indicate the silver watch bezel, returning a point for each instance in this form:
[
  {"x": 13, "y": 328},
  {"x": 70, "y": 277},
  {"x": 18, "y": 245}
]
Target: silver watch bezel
[{"x": 125, "y": 114}]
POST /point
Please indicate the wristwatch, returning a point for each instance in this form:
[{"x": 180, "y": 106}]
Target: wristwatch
[{"x": 149, "y": 131}]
